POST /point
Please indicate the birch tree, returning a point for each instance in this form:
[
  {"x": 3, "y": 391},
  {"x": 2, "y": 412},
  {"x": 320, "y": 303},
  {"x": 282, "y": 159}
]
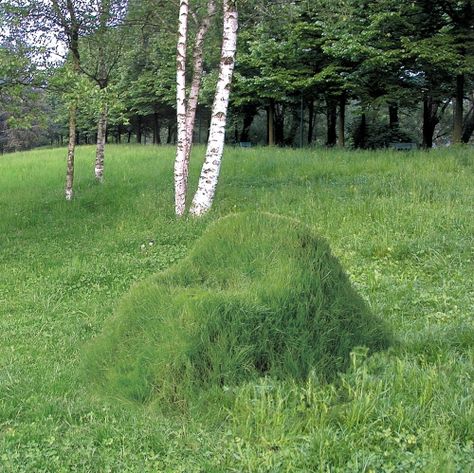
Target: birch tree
[
  {"x": 57, "y": 23},
  {"x": 187, "y": 104},
  {"x": 65, "y": 16},
  {"x": 210, "y": 171},
  {"x": 180, "y": 187},
  {"x": 104, "y": 49}
]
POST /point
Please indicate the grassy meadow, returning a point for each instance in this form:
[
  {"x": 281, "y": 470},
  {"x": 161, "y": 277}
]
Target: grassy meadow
[{"x": 401, "y": 225}]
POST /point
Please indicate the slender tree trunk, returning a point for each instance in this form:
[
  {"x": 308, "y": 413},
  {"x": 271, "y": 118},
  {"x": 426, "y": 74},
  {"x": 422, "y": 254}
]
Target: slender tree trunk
[
  {"x": 295, "y": 124},
  {"x": 187, "y": 106},
  {"x": 393, "y": 116},
  {"x": 342, "y": 121},
  {"x": 250, "y": 111},
  {"x": 271, "y": 123},
  {"x": 139, "y": 129},
  {"x": 311, "y": 121},
  {"x": 73, "y": 133},
  {"x": 71, "y": 27},
  {"x": 331, "y": 122},
  {"x": 458, "y": 110},
  {"x": 430, "y": 120},
  {"x": 198, "y": 64},
  {"x": 179, "y": 173},
  {"x": 69, "y": 190},
  {"x": 361, "y": 133},
  {"x": 156, "y": 129},
  {"x": 129, "y": 136},
  {"x": 280, "y": 124},
  {"x": 210, "y": 171},
  {"x": 468, "y": 128},
  {"x": 100, "y": 148}
]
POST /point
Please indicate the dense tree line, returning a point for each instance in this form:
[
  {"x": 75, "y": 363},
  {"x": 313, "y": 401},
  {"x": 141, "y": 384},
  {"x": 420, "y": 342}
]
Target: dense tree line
[{"x": 361, "y": 73}]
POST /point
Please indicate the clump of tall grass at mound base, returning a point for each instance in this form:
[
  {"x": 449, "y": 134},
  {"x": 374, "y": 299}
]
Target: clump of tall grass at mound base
[{"x": 259, "y": 295}]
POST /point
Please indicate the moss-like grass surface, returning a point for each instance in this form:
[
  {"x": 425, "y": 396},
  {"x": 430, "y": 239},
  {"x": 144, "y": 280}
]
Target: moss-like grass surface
[
  {"x": 401, "y": 225},
  {"x": 258, "y": 295}
]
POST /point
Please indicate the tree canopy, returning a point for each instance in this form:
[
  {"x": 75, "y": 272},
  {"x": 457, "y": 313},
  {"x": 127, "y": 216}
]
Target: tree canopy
[{"x": 363, "y": 73}]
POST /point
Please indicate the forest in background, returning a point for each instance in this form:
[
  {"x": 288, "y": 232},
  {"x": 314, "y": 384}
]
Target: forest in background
[{"x": 359, "y": 73}]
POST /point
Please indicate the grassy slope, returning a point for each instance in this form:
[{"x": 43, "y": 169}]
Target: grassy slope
[{"x": 402, "y": 226}]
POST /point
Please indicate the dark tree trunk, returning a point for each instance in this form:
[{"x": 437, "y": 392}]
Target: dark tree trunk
[
  {"x": 171, "y": 131},
  {"x": 139, "y": 129},
  {"x": 129, "y": 136},
  {"x": 271, "y": 124},
  {"x": 311, "y": 121},
  {"x": 393, "y": 116},
  {"x": 341, "y": 141},
  {"x": 156, "y": 129},
  {"x": 360, "y": 136},
  {"x": 295, "y": 124},
  {"x": 250, "y": 111},
  {"x": 331, "y": 116},
  {"x": 468, "y": 128},
  {"x": 118, "y": 136},
  {"x": 279, "y": 125},
  {"x": 430, "y": 120},
  {"x": 458, "y": 109}
]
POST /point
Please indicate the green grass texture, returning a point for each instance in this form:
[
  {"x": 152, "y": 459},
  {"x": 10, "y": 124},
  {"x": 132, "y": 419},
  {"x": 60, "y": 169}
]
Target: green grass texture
[
  {"x": 258, "y": 295},
  {"x": 400, "y": 224}
]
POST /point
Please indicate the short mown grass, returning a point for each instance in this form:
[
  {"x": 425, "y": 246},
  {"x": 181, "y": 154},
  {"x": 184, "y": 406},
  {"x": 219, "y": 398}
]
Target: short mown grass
[{"x": 402, "y": 226}]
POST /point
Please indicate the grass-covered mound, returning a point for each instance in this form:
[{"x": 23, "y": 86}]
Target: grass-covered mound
[{"x": 259, "y": 294}]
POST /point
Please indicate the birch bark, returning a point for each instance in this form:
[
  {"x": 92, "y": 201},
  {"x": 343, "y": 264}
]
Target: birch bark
[
  {"x": 204, "y": 196},
  {"x": 183, "y": 152},
  {"x": 68, "y": 191},
  {"x": 196, "y": 83},
  {"x": 179, "y": 176},
  {"x": 100, "y": 148}
]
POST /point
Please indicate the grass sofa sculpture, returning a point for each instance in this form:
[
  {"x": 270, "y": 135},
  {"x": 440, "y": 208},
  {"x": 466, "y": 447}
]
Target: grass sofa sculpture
[{"x": 259, "y": 295}]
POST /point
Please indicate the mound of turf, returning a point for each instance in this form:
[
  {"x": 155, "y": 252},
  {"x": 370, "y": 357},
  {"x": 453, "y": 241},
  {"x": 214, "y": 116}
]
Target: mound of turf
[{"x": 259, "y": 295}]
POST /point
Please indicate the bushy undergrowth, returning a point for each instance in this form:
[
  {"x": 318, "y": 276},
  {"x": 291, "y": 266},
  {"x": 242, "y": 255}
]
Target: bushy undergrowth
[{"x": 259, "y": 295}]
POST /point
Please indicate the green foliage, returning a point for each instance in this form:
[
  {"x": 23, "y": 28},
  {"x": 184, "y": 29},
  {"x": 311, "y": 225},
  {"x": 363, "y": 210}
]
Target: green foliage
[{"x": 258, "y": 295}]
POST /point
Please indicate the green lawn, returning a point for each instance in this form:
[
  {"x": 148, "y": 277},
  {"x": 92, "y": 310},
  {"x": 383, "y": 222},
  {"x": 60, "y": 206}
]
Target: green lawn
[{"x": 402, "y": 225}]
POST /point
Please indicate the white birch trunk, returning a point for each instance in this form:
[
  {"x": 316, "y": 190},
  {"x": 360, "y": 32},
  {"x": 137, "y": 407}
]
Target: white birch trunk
[
  {"x": 68, "y": 191},
  {"x": 179, "y": 177},
  {"x": 196, "y": 84},
  {"x": 210, "y": 171},
  {"x": 100, "y": 148}
]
